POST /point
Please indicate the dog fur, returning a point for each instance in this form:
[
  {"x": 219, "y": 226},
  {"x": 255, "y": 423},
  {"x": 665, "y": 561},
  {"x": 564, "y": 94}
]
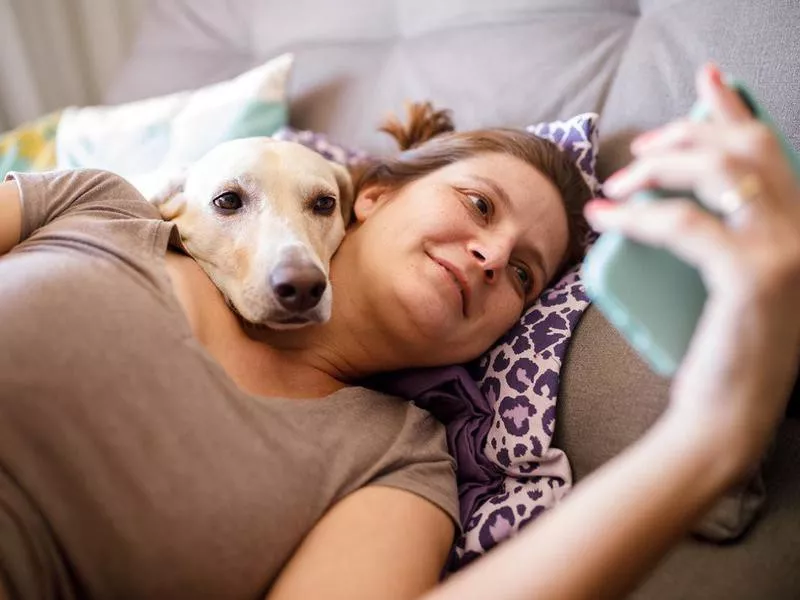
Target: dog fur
[{"x": 276, "y": 240}]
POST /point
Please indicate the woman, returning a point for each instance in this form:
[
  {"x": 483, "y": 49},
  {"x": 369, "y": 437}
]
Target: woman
[{"x": 432, "y": 272}]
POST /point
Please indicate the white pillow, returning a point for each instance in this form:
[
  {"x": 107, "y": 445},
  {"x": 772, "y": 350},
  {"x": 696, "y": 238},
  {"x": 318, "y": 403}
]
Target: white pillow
[{"x": 143, "y": 136}]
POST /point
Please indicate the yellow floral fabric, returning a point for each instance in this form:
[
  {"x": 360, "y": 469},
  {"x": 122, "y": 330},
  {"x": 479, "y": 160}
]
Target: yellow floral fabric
[{"x": 30, "y": 147}]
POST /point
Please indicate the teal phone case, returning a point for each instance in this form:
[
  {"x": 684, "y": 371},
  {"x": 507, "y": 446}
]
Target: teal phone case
[{"x": 654, "y": 299}]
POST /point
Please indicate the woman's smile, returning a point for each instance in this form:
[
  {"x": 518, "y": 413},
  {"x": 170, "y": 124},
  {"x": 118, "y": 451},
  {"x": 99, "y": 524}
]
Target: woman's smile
[{"x": 457, "y": 281}]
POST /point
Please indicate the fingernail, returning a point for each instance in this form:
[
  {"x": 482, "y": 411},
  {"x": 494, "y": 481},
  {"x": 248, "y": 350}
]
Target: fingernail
[
  {"x": 643, "y": 139},
  {"x": 596, "y": 208},
  {"x": 648, "y": 135},
  {"x": 714, "y": 74},
  {"x": 616, "y": 183}
]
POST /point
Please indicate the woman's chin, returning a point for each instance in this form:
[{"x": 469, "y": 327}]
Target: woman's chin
[{"x": 430, "y": 314}]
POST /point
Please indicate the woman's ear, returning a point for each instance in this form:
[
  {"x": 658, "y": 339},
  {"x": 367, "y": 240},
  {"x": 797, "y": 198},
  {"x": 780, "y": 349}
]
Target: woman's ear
[{"x": 369, "y": 199}]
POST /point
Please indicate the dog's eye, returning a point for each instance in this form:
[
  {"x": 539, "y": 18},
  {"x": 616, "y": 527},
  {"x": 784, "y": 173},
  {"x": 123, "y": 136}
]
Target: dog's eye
[
  {"x": 324, "y": 205},
  {"x": 228, "y": 201}
]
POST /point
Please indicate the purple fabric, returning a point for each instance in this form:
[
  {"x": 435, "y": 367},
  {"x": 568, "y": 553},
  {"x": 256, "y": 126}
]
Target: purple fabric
[
  {"x": 320, "y": 143},
  {"x": 452, "y": 396}
]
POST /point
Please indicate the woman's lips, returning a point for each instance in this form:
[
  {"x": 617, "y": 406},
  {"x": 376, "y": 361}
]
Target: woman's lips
[{"x": 459, "y": 280}]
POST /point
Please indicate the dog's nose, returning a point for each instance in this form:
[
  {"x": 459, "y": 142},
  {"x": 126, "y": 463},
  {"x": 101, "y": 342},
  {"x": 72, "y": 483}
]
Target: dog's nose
[{"x": 298, "y": 287}]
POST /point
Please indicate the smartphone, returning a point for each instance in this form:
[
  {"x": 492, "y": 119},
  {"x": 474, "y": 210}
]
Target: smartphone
[{"x": 653, "y": 298}]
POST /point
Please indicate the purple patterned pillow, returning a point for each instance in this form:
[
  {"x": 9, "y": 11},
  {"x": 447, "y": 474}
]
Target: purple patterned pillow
[
  {"x": 577, "y": 137},
  {"x": 519, "y": 376},
  {"x": 500, "y": 411},
  {"x": 320, "y": 143}
]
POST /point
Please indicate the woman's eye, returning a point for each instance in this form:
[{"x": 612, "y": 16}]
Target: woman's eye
[
  {"x": 324, "y": 205},
  {"x": 482, "y": 205},
  {"x": 524, "y": 277},
  {"x": 228, "y": 201}
]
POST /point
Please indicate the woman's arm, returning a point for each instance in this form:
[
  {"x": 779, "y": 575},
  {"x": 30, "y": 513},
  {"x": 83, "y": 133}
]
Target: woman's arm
[
  {"x": 610, "y": 530},
  {"x": 379, "y": 542},
  {"x": 729, "y": 393},
  {"x": 10, "y": 216},
  {"x": 390, "y": 544}
]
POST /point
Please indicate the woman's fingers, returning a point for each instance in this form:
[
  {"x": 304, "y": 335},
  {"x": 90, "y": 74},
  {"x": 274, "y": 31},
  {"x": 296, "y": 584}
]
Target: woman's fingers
[
  {"x": 711, "y": 175},
  {"x": 752, "y": 143},
  {"x": 724, "y": 104},
  {"x": 678, "y": 225},
  {"x": 745, "y": 141}
]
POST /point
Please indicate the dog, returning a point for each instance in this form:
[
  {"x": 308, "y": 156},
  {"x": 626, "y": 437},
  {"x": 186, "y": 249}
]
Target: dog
[{"x": 263, "y": 218}]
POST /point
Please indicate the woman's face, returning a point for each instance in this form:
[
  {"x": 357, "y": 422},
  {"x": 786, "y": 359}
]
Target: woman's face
[{"x": 449, "y": 262}]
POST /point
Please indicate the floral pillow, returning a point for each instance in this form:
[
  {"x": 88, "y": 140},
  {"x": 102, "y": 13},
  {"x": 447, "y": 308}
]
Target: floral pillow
[{"x": 31, "y": 146}]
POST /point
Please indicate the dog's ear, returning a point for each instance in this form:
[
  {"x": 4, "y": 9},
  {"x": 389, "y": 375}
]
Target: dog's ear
[
  {"x": 345, "y": 182},
  {"x": 164, "y": 190}
]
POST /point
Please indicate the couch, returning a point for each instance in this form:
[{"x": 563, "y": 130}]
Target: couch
[{"x": 514, "y": 62}]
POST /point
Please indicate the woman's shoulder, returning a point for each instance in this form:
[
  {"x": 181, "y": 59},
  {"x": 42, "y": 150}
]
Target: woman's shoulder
[
  {"x": 412, "y": 434},
  {"x": 418, "y": 420},
  {"x": 409, "y": 443}
]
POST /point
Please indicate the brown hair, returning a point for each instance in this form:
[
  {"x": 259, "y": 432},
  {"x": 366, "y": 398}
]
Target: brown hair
[{"x": 428, "y": 142}]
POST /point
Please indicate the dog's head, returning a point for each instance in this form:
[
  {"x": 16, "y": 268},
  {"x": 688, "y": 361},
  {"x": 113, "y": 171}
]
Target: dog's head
[{"x": 263, "y": 219}]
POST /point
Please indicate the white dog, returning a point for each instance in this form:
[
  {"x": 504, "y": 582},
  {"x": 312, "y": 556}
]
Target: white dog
[{"x": 263, "y": 219}]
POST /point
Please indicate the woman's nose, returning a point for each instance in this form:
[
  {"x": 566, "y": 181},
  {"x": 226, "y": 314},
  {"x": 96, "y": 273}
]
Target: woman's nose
[
  {"x": 492, "y": 252},
  {"x": 488, "y": 273},
  {"x": 491, "y": 257}
]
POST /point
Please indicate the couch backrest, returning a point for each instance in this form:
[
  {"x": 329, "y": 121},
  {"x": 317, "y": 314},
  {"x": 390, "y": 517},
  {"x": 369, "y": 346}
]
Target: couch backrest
[
  {"x": 498, "y": 62},
  {"x": 494, "y": 62}
]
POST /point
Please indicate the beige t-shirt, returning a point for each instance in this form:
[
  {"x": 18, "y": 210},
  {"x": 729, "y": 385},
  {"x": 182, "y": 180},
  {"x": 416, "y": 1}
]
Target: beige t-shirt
[{"x": 131, "y": 466}]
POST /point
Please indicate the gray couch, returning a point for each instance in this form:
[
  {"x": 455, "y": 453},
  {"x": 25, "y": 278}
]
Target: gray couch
[{"x": 513, "y": 62}]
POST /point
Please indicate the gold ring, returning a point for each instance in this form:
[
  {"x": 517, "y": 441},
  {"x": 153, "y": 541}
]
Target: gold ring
[{"x": 745, "y": 192}]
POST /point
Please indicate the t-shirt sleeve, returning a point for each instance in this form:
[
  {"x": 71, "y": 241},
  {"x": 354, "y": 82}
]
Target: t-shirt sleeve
[
  {"x": 53, "y": 195},
  {"x": 421, "y": 464}
]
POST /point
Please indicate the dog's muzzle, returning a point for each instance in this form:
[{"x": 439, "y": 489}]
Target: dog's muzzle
[{"x": 298, "y": 285}]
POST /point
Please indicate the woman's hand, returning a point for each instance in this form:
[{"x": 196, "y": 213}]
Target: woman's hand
[{"x": 743, "y": 358}]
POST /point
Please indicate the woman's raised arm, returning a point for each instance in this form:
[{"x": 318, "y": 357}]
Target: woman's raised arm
[{"x": 729, "y": 394}]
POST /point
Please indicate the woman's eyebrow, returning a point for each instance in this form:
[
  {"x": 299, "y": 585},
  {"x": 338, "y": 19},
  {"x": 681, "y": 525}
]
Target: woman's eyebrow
[{"x": 497, "y": 189}]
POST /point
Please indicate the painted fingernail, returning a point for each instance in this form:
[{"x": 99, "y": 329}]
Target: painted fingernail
[
  {"x": 714, "y": 74},
  {"x": 597, "y": 208},
  {"x": 641, "y": 141},
  {"x": 616, "y": 183},
  {"x": 646, "y": 136}
]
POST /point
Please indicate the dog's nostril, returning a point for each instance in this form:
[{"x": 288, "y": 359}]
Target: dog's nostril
[
  {"x": 298, "y": 287},
  {"x": 285, "y": 290},
  {"x": 318, "y": 290}
]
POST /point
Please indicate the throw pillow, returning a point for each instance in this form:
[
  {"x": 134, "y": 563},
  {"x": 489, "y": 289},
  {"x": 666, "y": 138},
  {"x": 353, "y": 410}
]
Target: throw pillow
[
  {"x": 30, "y": 147},
  {"x": 173, "y": 130}
]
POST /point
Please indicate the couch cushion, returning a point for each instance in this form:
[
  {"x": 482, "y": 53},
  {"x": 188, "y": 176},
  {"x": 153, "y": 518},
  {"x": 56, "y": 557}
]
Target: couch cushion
[
  {"x": 358, "y": 59},
  {"x": 654, "y": 82},
  {"x": 503, "y": 63},
  {"x": 766, "y": 566}
]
